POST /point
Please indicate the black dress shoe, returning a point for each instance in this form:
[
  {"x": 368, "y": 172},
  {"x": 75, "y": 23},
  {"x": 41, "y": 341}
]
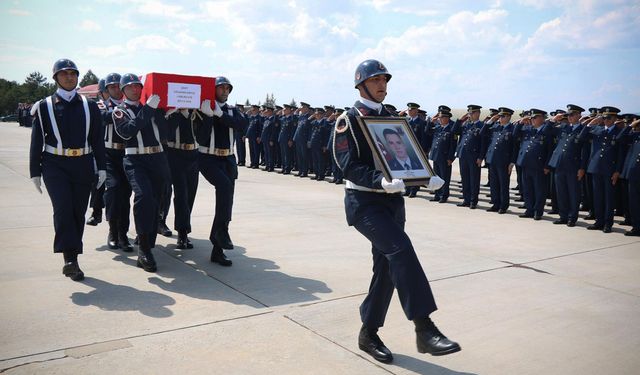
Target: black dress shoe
[
  {"x": 146, "y": 261},
  {"x": 523, "y": 206},
  {"x": 492, "y": 209},
  {"x": 632, "y": 232},
  {"x": 94, "y": 220},
  {"x": 473, "y": 206},
  {"x": 72, "y": 270},
  {"x": 502, "y": 211},
  {"x": 434, "y": 199},
  {"x": 590, "y": 217},
  {"x": 626, "y": 222},
  {"x": 413, "y": 194},
  {"x": 571, "y": 223},
  {"x": 370, "y": 343},
  {"x": 124, "y": 244},
  {"x": 560, "y": 221},
  {"x": 217, "y": 256},
  {"x": 223, "y": 240},
  {"x": 537, "y": 217},
  {"x": 463, "y": 204},
  {"x": 443, "y": 200},
  {"x": 525, "y": 215},
  {"x": 553, "y": 212},
  {"x": 112, "y": 242},
  {"x": 606, "y": 229},
  {"x": 164, "y": 230},
  {"x": 183, "y": 242},
  {"x": 406, "y": 193},
  {"x": 430, "y": 340},
  {"x": 595, "y": 227}
]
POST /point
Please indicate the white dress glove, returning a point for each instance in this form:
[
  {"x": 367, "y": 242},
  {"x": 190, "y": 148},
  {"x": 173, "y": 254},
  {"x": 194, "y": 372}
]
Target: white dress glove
[
  {"x": 102, "y": 177},
  {"x": 435, "y": 183},
  {"x": 217, "y": 111},
  {"x": 37, "y": 181},
  {"x": 153, "y": 101},
  {"x": 395, "y": 186},
  {"x": 170, "y": 112},
  {"x": 185, "y": 112},
  {"x": 206, "y": 108}
]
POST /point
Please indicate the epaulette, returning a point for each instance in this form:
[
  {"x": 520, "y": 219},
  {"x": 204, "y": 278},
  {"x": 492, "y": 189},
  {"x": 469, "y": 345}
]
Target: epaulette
[
  {"x": 34, "y": 108},
  {"x": 118, "y": 113}
]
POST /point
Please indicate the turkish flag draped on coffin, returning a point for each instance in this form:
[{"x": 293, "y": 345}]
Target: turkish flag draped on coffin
[{"x": 178, "y": 91}]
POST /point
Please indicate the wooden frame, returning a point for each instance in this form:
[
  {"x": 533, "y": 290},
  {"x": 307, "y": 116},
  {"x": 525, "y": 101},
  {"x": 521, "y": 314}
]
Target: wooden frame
[{"x": 391, "y": 136}]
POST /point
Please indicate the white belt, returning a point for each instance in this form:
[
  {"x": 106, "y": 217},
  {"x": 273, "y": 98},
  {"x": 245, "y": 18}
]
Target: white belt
[
  {"x": 67, "y": 151},
  {"x": 352, "y": 186},
  {"x": 215, "y": 151},
  {"x": 142, "y": 150},
  {"x": 181, "y": 146}
]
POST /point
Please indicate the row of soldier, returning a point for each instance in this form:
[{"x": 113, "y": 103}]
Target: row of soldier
[
  {"x": 579, "y": 161},
  {"x": 23, "y": 113}
]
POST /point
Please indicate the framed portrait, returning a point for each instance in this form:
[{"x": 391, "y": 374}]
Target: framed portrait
[{"x": 396, "y": 149}]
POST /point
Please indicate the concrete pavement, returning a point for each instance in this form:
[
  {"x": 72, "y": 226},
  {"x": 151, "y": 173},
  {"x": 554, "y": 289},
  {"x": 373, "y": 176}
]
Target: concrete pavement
[{"x": 521, "y": 297}]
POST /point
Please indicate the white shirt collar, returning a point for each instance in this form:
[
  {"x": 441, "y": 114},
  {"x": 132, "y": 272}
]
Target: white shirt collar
[
  {"x": 116, "y": 101},
  {"x": 131, "y": 102},
  {"x": 66, "y": 95},
  {"x": 371, "y": 104},
  {"x": 220, "y": 104}
]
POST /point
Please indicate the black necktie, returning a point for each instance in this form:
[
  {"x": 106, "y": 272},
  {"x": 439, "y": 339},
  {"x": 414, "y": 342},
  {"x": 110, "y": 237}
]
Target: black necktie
[{"x": 407, "y": 166}]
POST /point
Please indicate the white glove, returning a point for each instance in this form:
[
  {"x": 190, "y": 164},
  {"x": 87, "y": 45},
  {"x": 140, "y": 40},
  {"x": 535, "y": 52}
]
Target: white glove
[
  {"x": 217, "y": 111},
  {"x": 395, "y": 186},
  {"x": 206, "y": 108},
  {"x": 102, "y": 177},
  {"x": 185, "y": 112},
  {"x": 170, "y": 112},
  {"x": 37, "y": 181},
  {"x": 153, "y": 101},
  {"x": 435, "y": 183}
]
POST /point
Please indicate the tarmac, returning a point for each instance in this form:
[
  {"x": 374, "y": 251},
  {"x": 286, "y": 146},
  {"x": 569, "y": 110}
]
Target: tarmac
[{"x": 520, "y": 296}]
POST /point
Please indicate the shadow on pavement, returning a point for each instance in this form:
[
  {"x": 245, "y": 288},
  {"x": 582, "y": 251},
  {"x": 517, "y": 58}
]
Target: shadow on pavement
[
  {"x": 423, "y": 367},
  {"x": 111, "y": 297}
]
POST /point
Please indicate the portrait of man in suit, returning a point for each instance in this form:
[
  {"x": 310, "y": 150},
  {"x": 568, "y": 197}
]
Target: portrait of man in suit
[{"x": 401, "y": 158}]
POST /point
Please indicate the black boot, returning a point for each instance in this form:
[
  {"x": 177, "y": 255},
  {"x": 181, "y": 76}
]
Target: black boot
[
  {"x": 163, "y": 229},
  {"x": 123, "y": 242},
  {"x": 112, "y": 238},
  {"x": 183, "y": 240},
  {"x": 217, "y": 256},
  {"x": 71, "y": 268},
  {"x": 146, "y": 260},
  {"x": 430, "y": 340},
  {"x": 369, "y": 342},
  {"x": 95, "y": 218},
  {"x": 222, "y": 239}
]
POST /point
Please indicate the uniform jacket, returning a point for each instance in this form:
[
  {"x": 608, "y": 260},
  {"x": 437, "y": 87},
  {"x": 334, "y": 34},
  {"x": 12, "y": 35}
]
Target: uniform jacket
[
  {"x": 254, "y": 130},
  {"x": 140, "y": 125},
  {"x": 218, "y": 132},
  {"x": 287, "y": 128},
  {"x": 631, "y": 166},
  {"x": 570, "y": 153},
  {"x": 303, "y": 130},
  {"x": 470, "y": 141},
  {"x": 443, "y": 146},
  {"x": 498, "y": 145},
  {"x": 536, "y": 146},
  {"x": 606, "y": 154}
]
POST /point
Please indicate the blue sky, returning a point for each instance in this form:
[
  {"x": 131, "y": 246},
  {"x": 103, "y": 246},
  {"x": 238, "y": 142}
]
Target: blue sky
[{"x": 519, "y": 54}]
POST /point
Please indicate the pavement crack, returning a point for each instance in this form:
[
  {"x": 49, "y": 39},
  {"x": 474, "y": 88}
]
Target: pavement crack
[
  {"x": 520, "y": 265},
  {"x": 30, "y": 363}
]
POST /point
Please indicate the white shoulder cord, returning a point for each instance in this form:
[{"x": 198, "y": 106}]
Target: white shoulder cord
[{"x": 344, "y": 116}]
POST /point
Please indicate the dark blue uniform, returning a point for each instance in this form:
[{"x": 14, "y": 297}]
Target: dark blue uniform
[
  {"x": 218, "y": 164},
  {"x": 285, "y": 141},
  {"x": 254, "y": 130},
  {"x": 569, "y": 156},
  {"x": 631, "y": 173},
  {"x": 145, "y": 164},
  {"x": 380, "y": 217},
  {"x": 442, "y": 152},
  {"x": 417, "y": 125},
  {"x": 239, "y": 135},
  {"x": 266, "y": 137},
  {"x": 318, "y": 141},
  {"x": 96, "y": 202},
  {"x": 533, "y": 155},
  {"x": 604, "y": 161},
  {"x": 498, "y": 148},
  {"x": 301, "y": 137},
  {"x": 66, "y": 147},
  {"x": 182, "y": 154},
  {"x": 468, "y": 152}
]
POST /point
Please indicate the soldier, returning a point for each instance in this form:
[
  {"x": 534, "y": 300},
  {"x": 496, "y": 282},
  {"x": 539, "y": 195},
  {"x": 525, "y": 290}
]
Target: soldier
[
  {"x": 66, "y": 147},
  {"x": 468, "y": 127},
  {"x": 240, "y": 137},
  {"x": 96, "y": 201},
  {"x": 375, "y": 207},
  {"x": 285, "y": 138},
  {"x": 498, "y": 149},
  {"x": 338, "y": 176},
  {"x": 443, "y": 149},
  {"x": 301, "y": 137},
  {"x": 277, "y": 157},
  {"x": 317, "y": 143},
  {"x": 145, "y": 163},
  {"x": 605, "y": 164},
  {"x": 569, "y": 162},
  {"x": 631, "y": 172},
  {"x": 117, "y": 193},
  {"x": 218, "y": 164},
  {"x": 532, "y": 157},
  {"x": 417, "y": 125},
  {"x": 587, "y": 186},
  {"x": 182, "y": 155},
  {"x": 253, "y": 133},
  {"x": 268, "y": 128}
]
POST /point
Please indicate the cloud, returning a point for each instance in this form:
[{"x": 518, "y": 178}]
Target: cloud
[
  {"x": 149, "y": 42},
  {"x": 89, "y": 25},
  {"x": 19, "y": 12},
  {"x": 158, "y": 8}
]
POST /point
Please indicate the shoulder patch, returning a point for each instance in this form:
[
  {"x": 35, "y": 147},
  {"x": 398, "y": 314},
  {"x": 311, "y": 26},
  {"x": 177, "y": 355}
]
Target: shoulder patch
[
  {"x": 101, "y": 106},
  {"x": 118, "y": 113}
]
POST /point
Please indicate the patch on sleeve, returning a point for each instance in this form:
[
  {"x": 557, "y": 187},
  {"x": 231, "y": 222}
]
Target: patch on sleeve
[
  {"x": 118, "y": 113},
  {"x": 341, "y": 126},
  {"x": 342, "y": 144}
]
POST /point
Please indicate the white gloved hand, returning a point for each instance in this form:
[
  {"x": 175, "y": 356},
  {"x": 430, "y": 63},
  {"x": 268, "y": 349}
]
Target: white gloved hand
[
  {"x": 435, "y": 183},
  {"x": 395, "y": 186},
  {"x": 153, "y": 101},
  {"x": 170, "y": 112},
  {"x": 217, "y": 111},
  {"x": 102, "y": 177},
  {"x": 37, "y": 181},
  {"x": 185, "y": 112},
  {"x": 206, "y": 108}
]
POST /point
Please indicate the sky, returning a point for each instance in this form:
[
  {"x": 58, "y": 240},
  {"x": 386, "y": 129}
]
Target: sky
[{"x": 519, "y": 54}]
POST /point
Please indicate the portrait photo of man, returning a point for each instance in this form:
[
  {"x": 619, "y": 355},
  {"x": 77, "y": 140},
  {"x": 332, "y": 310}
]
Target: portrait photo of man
[{"x": 401, "y": 160}]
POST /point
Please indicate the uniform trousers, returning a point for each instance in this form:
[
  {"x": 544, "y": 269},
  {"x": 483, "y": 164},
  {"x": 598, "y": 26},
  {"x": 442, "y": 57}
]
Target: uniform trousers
[
  {"x": 254, "y": 152},
  {"x": 603, "y": 199},
  {"x": 96, "y": 201},
  {"x": 221, "y": 172},
  {"x": 287, "y": 156},
  {"x": 117, "y": 191},
  {"x": 380, "y": 218},
  {"x": 241, "y": 149},
  {"x": 319, "y": 167},
  {"x": 499, "y": 185},
  {"x": 470, "y": 174},
  {"x": 184, "y": 177},
  {"x": 302, "y": 157},
  {"x": 568, "y": 192},
  {"x": 68, "y": 181},
  {"x": 634, "y": 203},
  {"x": 268, "y": 154},
  {"x": 534, "y": 189},
  {"x": 148, "y": 176},
  {"x": 442, "y": 169}
]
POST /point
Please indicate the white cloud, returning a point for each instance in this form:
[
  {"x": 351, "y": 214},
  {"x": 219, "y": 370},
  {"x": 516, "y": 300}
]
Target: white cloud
[
  {"x": 158, "y": 8},
  {"x": 19, "y": 12},
  {"x": 209, "y": 43},
  {"x": 89, "y": 25},
  {"x": 127, "y": 25}
]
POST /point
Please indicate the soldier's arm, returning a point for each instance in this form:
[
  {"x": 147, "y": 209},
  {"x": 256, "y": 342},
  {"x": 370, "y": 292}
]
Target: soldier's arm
[
  {"x": 127, "y": 127},
  {"x": 347, "y": 158},
  {"x": 96, "y": 136},
  {"x": 35, "y": 150}
]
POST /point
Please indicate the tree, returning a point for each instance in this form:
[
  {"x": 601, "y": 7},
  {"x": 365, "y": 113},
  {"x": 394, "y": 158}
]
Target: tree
[
  {"x": 293, "y": 102},
  {"x": 35, "y": 79},
  {"x": 270, "y": 100},
  {"x": 88, "y": 79},
  {"x": 247, "y": 102}
]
